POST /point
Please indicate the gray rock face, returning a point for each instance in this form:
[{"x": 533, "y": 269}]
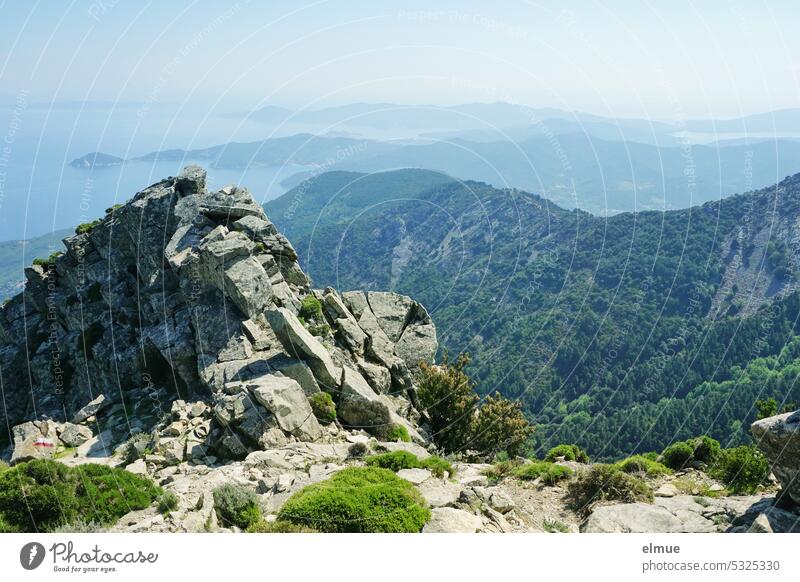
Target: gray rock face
[
  {"x": 679, "y": 514},
  {"x": 779, "y": 438},
  {"x": 190, "y": 294},
  {"x": 360, "y": 407},
  {"x": 284, "y": 398},
  {"x": 297, "y": 341},
  {"x": 74, "y": 435}
]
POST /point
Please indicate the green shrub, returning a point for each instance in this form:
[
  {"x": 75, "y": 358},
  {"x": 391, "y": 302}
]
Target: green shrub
[
  {"x": 48, "y": 261},
  {"x": 357, "y": 450},
  {"x": 167, "y": 502},
  {"x": 311, "y": 308},
  {"x": 605, "y": 482},
  {"x": 262, "y": 526},
  {"x": 38, "y": 496},
  {"x": 87, "y": 227},
  {"x": 323, "y": 407},
  {"x": 499, "y": 471},
  {"x": 6, "y": 527},
  {"x": 106, "y": 493},
  {"x": 399, "y": 433},
  {"x": 437, "y": 466},
  {"x": 500, "y": 425},
  {"x": 569, "y": 452},
  {"x": 447, "y": 394},
  {"x": 358, "y": 500},
  {"x": 641, "y": 465},
  {"x": 393, "y": 461},
  {"x": 114, "y": 208},
  {"x": 706, "y": 449},
  {"x": 742, "y": 469},
  {"x": 702, "y": 449},
  {"x": 651, "y": 456},
  {"x": 236, "y": 505},
  {"x": 549, "y": 473},
  {"x": 43, "y": 495},
  {"x": 677, "y": 455}
]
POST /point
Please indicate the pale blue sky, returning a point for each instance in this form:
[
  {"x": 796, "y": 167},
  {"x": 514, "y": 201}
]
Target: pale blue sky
[{"x": 626, "y": 58}]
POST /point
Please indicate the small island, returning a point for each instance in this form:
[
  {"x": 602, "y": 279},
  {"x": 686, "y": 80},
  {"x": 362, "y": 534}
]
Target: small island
[{"x": 96, "y": 160}]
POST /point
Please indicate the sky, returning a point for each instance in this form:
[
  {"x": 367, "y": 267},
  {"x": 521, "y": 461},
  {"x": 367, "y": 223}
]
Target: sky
[{"x": 657, "y": 60}]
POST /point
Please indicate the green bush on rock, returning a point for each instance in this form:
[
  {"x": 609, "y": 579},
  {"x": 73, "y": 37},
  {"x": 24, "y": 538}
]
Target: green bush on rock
[
  {"x": 702, "y": 449},
  {"x": 549, "y": 473},
  {"x": 323, "y": 407},
  {"x": 105, "y": 493},
  {"x": 236, "y": 505},
  {"x": 569, "y": 452},
  {"x": 399, "y": 433},
  {"x": 358, "y": 500},
  {"x": 43, "y": 495},
  {"x": 643, "y": 466},
  {"x": 742, "y": 469},
  {"x": 605, "y": 482},
  {"x": 394, "y": 461},
  {"x": 398, "y": 460}
]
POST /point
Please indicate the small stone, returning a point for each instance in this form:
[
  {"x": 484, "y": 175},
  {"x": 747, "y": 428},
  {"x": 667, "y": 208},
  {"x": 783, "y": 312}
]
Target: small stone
[
  {"x": 138, "y": 467},
  {"x": 90, "y": 409},
  {"x": 666, "y": 490}
]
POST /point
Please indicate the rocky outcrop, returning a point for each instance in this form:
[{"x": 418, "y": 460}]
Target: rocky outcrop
[
  {"x": 779, "y": 438},
  {"x": 176, "y": 317}
]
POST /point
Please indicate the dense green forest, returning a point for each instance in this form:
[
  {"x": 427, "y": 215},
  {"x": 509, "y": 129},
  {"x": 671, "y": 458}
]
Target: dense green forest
[{"x": 609, "y": 330}]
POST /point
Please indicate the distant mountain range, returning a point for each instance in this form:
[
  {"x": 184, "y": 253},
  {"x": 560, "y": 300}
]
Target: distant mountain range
[
  {"x": 582, "y": 170},
  {"x": 619, "y": 334}
]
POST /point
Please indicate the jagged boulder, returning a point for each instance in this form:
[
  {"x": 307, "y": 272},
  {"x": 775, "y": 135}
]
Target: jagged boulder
[
  {"x": 189, "y": 296},
  {"x": 779, "y": 438}
]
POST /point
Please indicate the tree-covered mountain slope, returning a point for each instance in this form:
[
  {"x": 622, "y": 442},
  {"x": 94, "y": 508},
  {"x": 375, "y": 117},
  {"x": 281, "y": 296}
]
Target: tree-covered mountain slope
[{"x": 606, "y": 328}]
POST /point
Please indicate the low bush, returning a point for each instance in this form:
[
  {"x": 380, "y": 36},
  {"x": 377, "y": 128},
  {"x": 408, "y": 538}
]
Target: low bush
[
  {"x": 357, "y": 450},
  {"x": 43, "y": 495},
  {"x": 549, "y": 473},
  {"x": 569, "y": 452},
  {"x": 702, "y": 449},
  {"x": 323, "y": 407},
  {"x": 502, "y": 469},
  {"x": 438, "y": 466},
  {"x": 311, "y": 308},
  {"x": 397, "y": 460},
  {"x": 399, "y": 433},
  {"x": 643, "y": 466},
  {"x": 605, "y": 482},
  {"x": 236, "y": 505},
  {"x": 706, "y": 449},
  {"x": 106, "y": 493},
  {"x": 262, "y": 526},
  {"x": 677, "y": 455},
  {"x": 358, "y": 500},
  {"x": 742, "y": 469},
  {"x": 87, "y": 227},
  {"x": 167, "y": 502},
  {"x": 394, "y": 461}
]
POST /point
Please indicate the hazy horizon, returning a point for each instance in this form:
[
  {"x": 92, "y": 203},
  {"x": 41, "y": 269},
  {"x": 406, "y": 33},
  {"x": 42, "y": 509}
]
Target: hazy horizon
[{"x": 715, "y": 60}]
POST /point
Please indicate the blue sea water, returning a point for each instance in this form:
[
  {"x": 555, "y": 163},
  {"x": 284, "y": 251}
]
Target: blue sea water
[{"x": 40, "y": 193}]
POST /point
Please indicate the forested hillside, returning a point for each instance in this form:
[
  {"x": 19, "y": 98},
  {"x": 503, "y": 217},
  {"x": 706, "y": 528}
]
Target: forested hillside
[{"x": 607, "y": 329}]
